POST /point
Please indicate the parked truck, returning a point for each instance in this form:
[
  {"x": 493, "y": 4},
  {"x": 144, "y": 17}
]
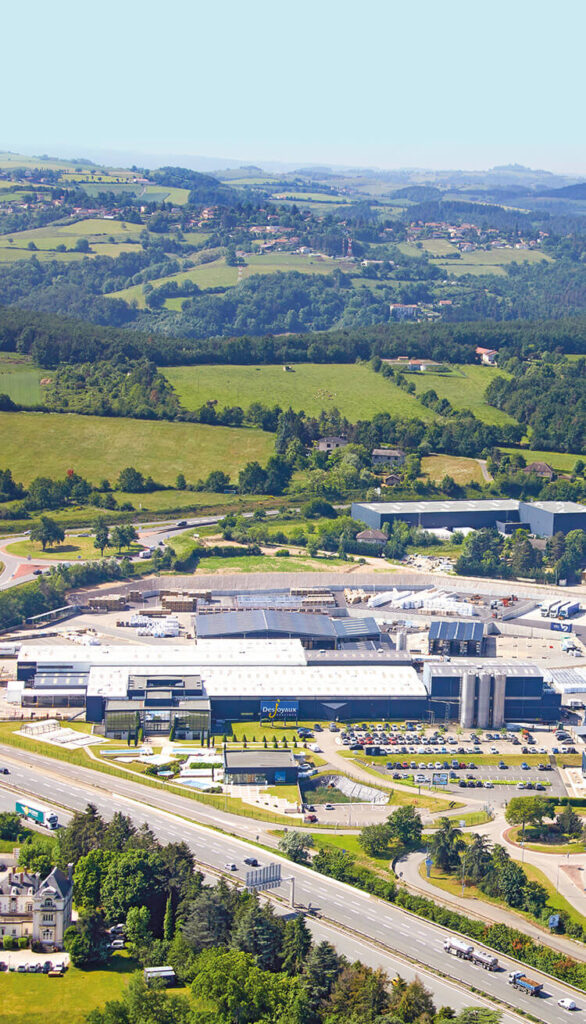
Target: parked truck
[
  {"x": 458, "y": 947},
  {"x": 519, "y": 980},
  {"x": 43, "y": 816},
  {"x": 569, "y": 609}
]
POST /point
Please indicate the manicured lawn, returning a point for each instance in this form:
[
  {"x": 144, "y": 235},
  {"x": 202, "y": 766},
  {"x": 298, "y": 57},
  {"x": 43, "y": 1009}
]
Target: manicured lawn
[
  {"x": 73, "y": 547},
  {"x": 37, "y": 999},
  {"x": 97, "y": 447},
  {"x": 464, "y": 388},
  {"x": 354, "y": 389},
  {"x": 575, "y": 846},
  {"x": 462, "y": 470}
]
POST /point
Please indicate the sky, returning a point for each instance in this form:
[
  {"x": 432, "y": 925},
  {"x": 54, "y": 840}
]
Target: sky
[{"x": 376, "y": 83}]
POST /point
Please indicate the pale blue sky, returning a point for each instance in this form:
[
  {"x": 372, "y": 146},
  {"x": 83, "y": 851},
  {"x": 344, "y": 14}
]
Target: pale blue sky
[{"x": 373, "y": 83}]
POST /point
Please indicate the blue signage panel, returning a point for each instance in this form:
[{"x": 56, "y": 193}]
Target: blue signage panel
[
  {"x": 561, "y": 627},
  {"x": 279, "y": 708}
]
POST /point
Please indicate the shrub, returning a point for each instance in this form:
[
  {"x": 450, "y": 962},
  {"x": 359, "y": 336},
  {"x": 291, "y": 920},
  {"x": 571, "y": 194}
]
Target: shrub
[
  {"x": 23, "y": 942},
  {"x": 9, "y": 942}
]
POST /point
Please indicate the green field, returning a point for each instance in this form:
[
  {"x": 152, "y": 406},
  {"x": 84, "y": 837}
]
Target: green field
[
  {"x": 462, "y": 470},
  {"x": 37, "y": 999},
  {"x": 97, "y": 447},
  {"x": 353, "y": 389},
  {"x": 205, "y": 275},
  {"x": 464, "y": 388},
  {"x": 218, "y": 274},
  {"x": 19, "y": 379},
  {"x": 561, "y": 462},
  {"x": 491, "y": 261},
  {"x": 98, "y": 232}
]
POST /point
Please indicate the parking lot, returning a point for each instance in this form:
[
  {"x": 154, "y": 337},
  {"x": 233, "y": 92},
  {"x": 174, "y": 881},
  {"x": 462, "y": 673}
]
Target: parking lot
[{"x": 517, "y": 761}]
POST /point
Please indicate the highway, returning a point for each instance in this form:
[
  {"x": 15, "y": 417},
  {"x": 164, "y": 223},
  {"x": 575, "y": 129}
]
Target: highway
[
  {"x": 445, "y": 992},
  {"x": 398, "y": 931}
]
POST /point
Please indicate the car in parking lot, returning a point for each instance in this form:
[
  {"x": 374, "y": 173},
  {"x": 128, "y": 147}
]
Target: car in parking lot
[
  {"x": 521, "y": 785},
  {"x": 503, "y": 767},
  {"x": 524, "y": 766},
  {"x": 420, "y": 779},
  {"x": 540, "y": 786},
  {"x": 489, "y": 785}
]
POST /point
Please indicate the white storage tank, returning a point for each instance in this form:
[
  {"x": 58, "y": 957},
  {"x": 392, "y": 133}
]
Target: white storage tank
[
  {"x": 498, "y": 705},
  {"x": 467, "y": 700},
  {"x": 484, "y": 701}
]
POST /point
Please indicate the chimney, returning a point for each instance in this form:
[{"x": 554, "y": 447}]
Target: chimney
[{"x": 70, "y": 871}]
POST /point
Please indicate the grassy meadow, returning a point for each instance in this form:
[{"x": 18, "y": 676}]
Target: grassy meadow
[
  {"x": 462, "y": 470},
  {"x": 561, "y": 462},
  {"x": 464, "y": 388},
  {"x": 20, "y": 379},
  {"x": 352, "y": 388},
  {"x": 106, "y": 238},
  {"x": 98, "y": 447},
  {"x": 218, "y": 274}
]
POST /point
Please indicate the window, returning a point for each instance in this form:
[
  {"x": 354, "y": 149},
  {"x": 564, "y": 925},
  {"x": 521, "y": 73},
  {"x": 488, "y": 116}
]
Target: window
[
  {"x": 48, "y": 918},
  {"x": 47, "y": 934},
  {"x": 29, "y": 908}
]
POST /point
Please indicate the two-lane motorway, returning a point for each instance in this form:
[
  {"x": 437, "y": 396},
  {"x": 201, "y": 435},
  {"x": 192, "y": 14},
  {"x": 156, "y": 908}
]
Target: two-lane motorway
[{"x": 387, "y": 924}]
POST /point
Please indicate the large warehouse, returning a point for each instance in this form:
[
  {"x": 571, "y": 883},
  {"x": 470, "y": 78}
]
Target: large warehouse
[
  {"x": 200, "y": 687},
  {"x": 542, "y": 518},
  {"x": 312, "y": 629}
]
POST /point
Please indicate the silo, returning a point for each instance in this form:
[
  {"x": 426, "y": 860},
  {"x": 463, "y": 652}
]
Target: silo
[
  {"x": 498, "y": 706},
  {"x": 484, "y": 701},
  {"x": 467, "y": 700}
]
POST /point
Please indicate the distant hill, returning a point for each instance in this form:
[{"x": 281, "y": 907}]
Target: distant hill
[
  {"x": 203, "y": 188},
  {"x": 569, "y": 192},
  {"x": 418, "y": 193}
]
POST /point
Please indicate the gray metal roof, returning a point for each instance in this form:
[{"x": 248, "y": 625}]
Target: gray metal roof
[
  {"x": 441, "y": 629},
  {"x": 258, "y": 759},
  {"x": 300, "y": 624},
  {"x": 556, "y": 507},
  {"x": 396, "y": 507},
  {"x": 512, "y": 670}
]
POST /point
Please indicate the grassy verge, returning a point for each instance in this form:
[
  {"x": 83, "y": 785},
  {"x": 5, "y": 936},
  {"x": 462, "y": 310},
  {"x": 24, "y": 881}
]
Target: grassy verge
[
  {"x": 452, "y": 885},
  {"x": 222, "y": 802},
  {"x": 572, "y": 846}
]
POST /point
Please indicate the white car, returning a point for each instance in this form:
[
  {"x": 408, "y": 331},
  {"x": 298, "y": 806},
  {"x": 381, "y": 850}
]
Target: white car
[
  {"x": 493, "y": 750},
  {"x": 420, "y": 780},
  {"x": 567, "y": 1004}
]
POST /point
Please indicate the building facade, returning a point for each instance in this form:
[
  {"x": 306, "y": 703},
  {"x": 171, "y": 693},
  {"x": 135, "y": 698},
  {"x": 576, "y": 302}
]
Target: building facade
[{"x": 39, "y": 909}]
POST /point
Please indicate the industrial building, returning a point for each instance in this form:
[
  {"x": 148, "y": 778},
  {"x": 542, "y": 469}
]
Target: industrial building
[
  {"x": 490, "y": 693},
  {"x": 464, "y": 639},
  {"x": 195, "y": 689},
  {"x": 541, "y": 518},
  {"x": 314, "y": 630},
  {"x": 259, "y": 767}
]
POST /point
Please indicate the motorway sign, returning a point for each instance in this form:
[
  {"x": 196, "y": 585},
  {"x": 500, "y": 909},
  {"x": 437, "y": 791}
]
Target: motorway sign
[{"x": 268, "y": 877}]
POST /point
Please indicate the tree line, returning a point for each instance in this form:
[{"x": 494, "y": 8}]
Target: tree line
[{"x": 240, "y": 962}]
